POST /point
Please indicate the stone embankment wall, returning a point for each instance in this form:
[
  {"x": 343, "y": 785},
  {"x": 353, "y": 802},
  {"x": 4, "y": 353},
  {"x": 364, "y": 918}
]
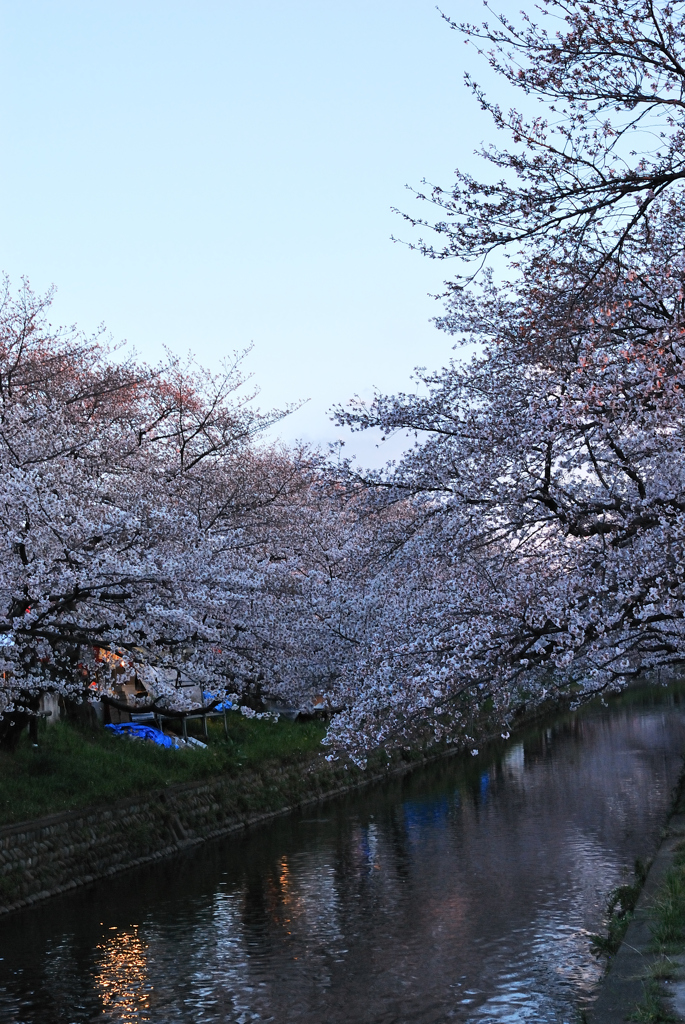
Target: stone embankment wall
[{"x": 51, "y": 855}]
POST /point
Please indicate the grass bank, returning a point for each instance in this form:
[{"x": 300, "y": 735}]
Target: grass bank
[
  {"x": 667, "y": 926},
  {"x": 73, "y": 767},
  {"x": 620, "y": 911}
]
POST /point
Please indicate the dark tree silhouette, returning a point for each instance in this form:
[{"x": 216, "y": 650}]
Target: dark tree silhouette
[{"x": 582, "y": 175}]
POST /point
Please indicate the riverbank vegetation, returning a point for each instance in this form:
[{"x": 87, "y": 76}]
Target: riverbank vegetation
[
  {"x": 75, "y": 767},
  {"x": 663, "y": 948},
  {"x": 666, "y": 914},
  {"x": 529, "y": 548},
  {"x": 620, "y": 907}
]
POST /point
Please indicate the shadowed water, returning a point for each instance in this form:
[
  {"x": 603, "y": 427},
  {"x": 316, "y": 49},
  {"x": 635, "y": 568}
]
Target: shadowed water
[{"x": 465, "y": 892}]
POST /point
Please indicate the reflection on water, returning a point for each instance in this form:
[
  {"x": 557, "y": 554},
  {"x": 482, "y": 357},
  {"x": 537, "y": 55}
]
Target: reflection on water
[
  {"x": 462, "y": 893},
  {"x": 121, "y": 978}
]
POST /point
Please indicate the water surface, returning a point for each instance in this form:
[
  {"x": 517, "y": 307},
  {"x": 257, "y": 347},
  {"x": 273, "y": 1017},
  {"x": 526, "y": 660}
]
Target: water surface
[{"x": 464, "y": 892}]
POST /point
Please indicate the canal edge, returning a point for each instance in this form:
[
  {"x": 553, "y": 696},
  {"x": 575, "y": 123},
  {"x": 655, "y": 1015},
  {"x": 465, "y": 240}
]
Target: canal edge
[
  {"x": 179, "y": 828},
  {"x": 34, "y": 841},
  {"x": 624, "y": 987}
]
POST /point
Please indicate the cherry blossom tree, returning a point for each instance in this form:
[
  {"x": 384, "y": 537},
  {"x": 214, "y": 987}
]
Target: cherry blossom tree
[
  {"x": 545, "y": 552},
  {"x": 136, "y": 510},
  {"x": 543, "y": 555},
  {"x": 528, "y": 548},
  {"x": 600, "y": 139}
]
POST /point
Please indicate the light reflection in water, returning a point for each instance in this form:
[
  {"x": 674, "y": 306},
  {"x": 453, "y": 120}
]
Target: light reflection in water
[
  {"x": 121, "y": 977},
  {"x": 463, "y": 893}
]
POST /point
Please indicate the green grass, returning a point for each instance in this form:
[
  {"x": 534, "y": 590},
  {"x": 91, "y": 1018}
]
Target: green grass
[
  {"x": 668, "y": 912},
  {"x": 667, "y": 924},
  {"x": 73, "y": 767},
  {"x": 620, "y": 907},
  {"x": 652, "y": 1009}
]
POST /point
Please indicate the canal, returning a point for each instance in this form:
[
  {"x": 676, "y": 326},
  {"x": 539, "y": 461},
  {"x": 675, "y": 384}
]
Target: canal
[{"x": 464, "y": 892}]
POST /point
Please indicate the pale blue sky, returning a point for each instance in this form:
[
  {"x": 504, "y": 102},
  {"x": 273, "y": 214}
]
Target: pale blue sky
[{"x": 205, "y": 174}]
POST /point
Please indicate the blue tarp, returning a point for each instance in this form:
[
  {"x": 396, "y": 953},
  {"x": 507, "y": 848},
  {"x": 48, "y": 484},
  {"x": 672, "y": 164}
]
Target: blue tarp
[
  {"x": 225, "y": 706},
  {"x": 143, "y": 732}
]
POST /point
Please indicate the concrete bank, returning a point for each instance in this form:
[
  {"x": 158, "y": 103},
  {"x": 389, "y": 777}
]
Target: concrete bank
[
  {"x": 51, "y": 855},
  {"x": 625, "y": 986}
]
